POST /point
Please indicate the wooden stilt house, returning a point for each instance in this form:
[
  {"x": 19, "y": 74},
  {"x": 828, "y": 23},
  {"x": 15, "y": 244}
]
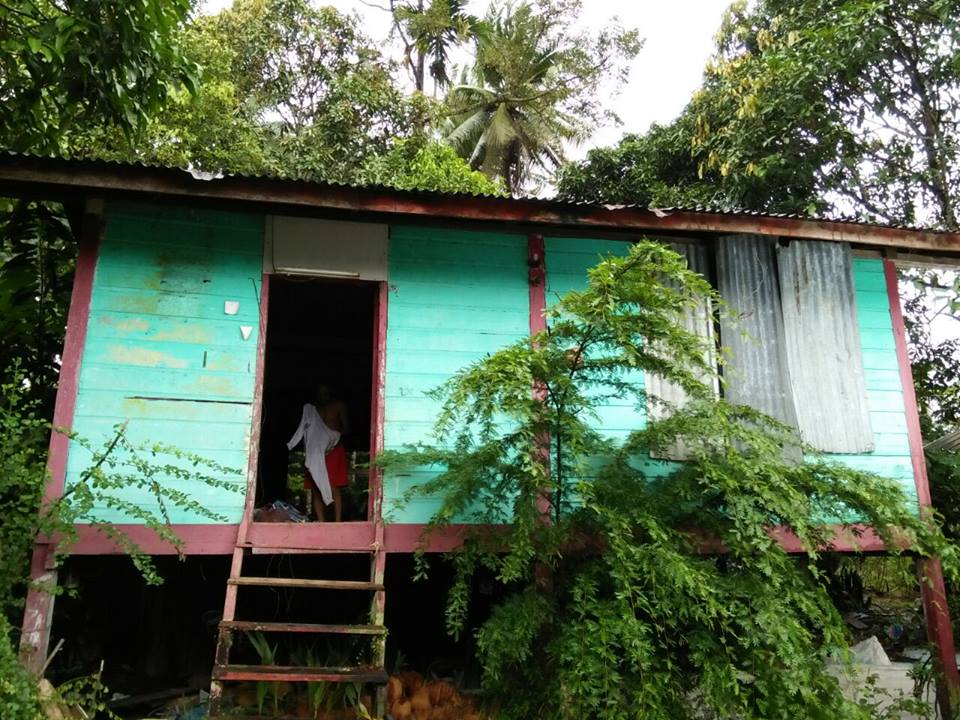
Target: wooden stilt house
[{"x": 203, "y": 310}]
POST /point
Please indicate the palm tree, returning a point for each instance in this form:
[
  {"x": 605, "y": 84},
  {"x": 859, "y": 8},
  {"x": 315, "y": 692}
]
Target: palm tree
[
  {"x": 429, "y": 30},
  {"x": 506, "y": 116}
]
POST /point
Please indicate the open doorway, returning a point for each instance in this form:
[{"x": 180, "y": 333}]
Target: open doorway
[{"x": 320, "y": 331}]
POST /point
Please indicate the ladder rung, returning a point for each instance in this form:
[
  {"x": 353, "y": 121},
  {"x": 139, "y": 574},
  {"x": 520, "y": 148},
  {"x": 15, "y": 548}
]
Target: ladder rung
[
  {"x": 303, "y": 628},
  {"x": 306, "y": 583},
  {"x": 287, "y": 673}
]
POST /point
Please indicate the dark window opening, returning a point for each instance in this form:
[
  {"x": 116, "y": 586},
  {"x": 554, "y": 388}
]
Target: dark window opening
[{"x": 319, "y": 331}]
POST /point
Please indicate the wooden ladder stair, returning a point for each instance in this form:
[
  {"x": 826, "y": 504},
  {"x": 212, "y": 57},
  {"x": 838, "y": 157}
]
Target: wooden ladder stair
[{"x": 374, "y": 673}]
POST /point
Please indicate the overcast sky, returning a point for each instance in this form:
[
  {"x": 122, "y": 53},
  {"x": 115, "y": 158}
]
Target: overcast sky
[{"x": 678, "y": 39}]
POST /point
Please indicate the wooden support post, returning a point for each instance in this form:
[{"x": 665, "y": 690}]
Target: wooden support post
[
  {"x": 38, "y": 612},
  {"x": 537, "y": 278},
  {"x": 932, "y": 587},
  {"x": 378, "y": 557}
]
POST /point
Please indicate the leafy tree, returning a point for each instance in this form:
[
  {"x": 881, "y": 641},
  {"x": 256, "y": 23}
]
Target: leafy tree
[
  {"x": 655, "y": 169},
  {"x": 429, "y": 29},
  {"x": 420, "y": 164},
  {"x": 532, "y": 88},
  {"x": 208, "y": 129},
  {"x": 319, "y": 87},
  {"x": 65, "y": 67},
  {"x": 847, "y": 107},
  {"x": 64, "y": 64},
  {"x": 614, "y": 605},
  {"x": 36, "y": 276}
]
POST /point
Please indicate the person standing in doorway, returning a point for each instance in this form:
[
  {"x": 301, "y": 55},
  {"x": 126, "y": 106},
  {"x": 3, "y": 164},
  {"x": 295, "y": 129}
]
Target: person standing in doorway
[{"x": 326, "y": 472}]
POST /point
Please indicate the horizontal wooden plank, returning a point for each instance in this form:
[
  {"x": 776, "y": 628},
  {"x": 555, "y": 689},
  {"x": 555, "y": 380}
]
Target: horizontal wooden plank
[
  {"x": 182, "y": 356},
  {"x": 305, "y": 583},
  {"x": 120, "y": 405},
  {"x": 459, "y": 293},
  {"x": 208, "y": 332},
  {"x": 139, "y": 382},
  {"x": 410, "y": 234},
  {"x": 286, "y": 627},
  {"x": 286, "y": 673},
  {"x": 138, "y": 302}
]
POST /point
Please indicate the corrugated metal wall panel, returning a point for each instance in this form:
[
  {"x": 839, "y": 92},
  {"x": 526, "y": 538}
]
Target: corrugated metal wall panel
[
  {"x": 823, "y": 346},
  {"x": 663, "y": 394},
  {"x": 756, "y": 371}
]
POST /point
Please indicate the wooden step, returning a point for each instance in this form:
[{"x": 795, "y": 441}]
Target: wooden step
[
  {"x": 284, "y": 627},
  {"x": 306, "y": 583},
  {"x": 288, "y": 673}
]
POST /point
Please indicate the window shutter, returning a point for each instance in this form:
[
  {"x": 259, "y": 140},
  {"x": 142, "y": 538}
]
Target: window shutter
[
  {"x": 756, "y": 372},
  {"x": 824, "y": 353}
]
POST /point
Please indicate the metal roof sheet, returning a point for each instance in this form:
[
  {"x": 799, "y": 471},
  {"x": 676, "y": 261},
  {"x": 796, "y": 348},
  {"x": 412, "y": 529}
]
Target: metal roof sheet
[{"x": 23, "y": 172}]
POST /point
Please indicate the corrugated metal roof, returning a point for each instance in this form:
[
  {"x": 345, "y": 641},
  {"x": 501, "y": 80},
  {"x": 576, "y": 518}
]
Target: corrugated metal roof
[{"x": 556, "y": 201}]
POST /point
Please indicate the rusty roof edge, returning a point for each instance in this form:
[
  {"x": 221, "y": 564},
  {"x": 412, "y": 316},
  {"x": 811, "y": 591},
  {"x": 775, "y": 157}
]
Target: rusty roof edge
[{"x": 26, "y": 174}]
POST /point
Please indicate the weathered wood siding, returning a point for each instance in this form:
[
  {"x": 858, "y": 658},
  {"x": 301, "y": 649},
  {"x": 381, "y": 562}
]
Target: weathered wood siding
[
  {"x": 161, "y": 354},
  {"x": 455, "y": 296}
]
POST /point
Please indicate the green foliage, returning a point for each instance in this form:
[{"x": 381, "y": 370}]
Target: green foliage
[
  {"x": 429, "y": 30},
  {"x": 651, "y": 170},
  {"x": 533, "y": 87},
  {"x": 37, "y": 254},
  {"x": 117, "y": 466},
  {"x": 614, "y": 605},
  {"x": 930, "y": 298},
  {"x": 64, "y": 64},
  {"x": 268, "y": 656},
  {"x": 418, "y": 164},
  {"x": 842, "y": 107},
  {"x": 18, "y": 688}
]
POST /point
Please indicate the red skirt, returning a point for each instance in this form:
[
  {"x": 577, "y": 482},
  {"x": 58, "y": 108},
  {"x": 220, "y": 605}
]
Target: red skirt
[{"x": 337, "y": 469}]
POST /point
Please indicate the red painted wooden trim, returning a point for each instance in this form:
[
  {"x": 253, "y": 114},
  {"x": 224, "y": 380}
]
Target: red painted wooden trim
[
  {"x": 77, "y": 318},
  {"x": 377, "y": 401},
  {"x": 917, "y": 458},
  {"x": 212, "y": 539},
  {"x": 536, "y": 262},
  {"x": 932, "y": 586},
  {"x": 357, "y": 536},
  {"x": 319, "y": 536},
  {"x": 405, "y": 538},
  {"x": 256, "y": 419},
  {"x": 38, "y": 610}
]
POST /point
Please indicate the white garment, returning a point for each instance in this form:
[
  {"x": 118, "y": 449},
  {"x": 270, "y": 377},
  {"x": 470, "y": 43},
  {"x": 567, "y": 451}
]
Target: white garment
[{"x": 318, "y": 440}]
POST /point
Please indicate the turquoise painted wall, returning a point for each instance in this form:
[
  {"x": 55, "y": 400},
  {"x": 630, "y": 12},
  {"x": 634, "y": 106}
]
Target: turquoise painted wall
[
  {"x": 888, "y": 416},
  {"x": 157, "y": 330},
  {"x": 455, "y": 296},
  {"x": 568, "y": 260},
  {"x": 567, "y": 263}
]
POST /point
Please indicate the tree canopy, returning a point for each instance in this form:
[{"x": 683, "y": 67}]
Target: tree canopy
[
  {"x": 847, "y": 108},
  {"x": 533, "y": 88},
  {"x": 66, "y": 65}
]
